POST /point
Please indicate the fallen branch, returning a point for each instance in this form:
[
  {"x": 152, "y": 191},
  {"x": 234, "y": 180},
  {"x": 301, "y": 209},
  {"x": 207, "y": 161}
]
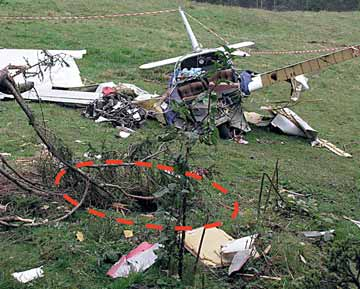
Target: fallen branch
[
  {"x": 5, "y": 162},
  {"x": 149, "y": 198},
  {"x": 30, "y": 223},
  {"x": 32, "y": 121},
  {"x": 22, "y": 185}
]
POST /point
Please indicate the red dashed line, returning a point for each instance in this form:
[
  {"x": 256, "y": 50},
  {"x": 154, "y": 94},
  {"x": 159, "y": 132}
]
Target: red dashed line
[
  {"x": 96, "y": 213},
  {"x": 59, "y": 176},
  {"x": 195, "y": 176},
  {"x": 213, "y": 225},
  {"x": 154, "y": 227},
  {"x": 143, "y": 164},
  {"x": 236, "y": 210},
  {"x": 165, "y": 168},
  {"x": 125, "y": 221},
  {"x": 219, "y": 188},
  {"x": 84, "y": 164},
  {"x": 183, "y": 228},
  {"x": 70, "y": 200},
  {"x": 114, "y": 162},
  {"x": 129, "y": 222}
]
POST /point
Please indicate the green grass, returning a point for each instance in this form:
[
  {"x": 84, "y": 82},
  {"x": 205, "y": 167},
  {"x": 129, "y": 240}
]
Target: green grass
[{"x": 115, "y": 50}]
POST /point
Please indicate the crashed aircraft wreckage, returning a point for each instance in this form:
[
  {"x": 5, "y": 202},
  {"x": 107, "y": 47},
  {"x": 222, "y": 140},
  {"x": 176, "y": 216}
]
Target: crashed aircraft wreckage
[
  {"x": 204, "y": 72},
  {"x": 198, "y": 77}
]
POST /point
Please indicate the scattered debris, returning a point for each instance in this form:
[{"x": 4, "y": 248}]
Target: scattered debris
[
  {"x": 29, "y": 275},
  {"x": 324, "y": 143},
  {"x": 292, "y": 194},
  {"x": 137, "y": 260},
  {"x": 239, "y": 261},
  {"x": 210, "y": 254},
  {"x": 260, "y": 276},
  {"x": 302, "y": 258},
  {"x": 243, "y": 249},
  {"x": 80, "y": 236},
  {"x": 128, "y": 234},
  {"x": 357, "y": 223},
  {"x": 290, "y": 123},
  {"x": 241, "y": 244},
  {"x": 117, "y": 106},
  {"x": 324, "y": 235},
  {"x": 124, "y": 132},
  {"x": 5, "y": 155},
  {"x": 219, "y": 249}
]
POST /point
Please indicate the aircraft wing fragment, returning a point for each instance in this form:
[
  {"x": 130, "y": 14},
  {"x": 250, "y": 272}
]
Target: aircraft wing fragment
[
  {"x": 305, "y": 67},
  {"x": 160, "y": 63}
]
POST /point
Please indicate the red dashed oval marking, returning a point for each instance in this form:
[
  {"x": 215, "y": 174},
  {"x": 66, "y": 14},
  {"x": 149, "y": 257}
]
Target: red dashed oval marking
[
  {"x": 213, "y": 225},
  {"x": 183, "y": 228},
  {"x": 194, "y": 176},
  {"x": 125, "y": 221},
  {"x": 84, "y": 164},
  {"x": 59, "y": 176},
  {"x": 161, "y": 167},
  {"x": 165, "y": 168},
  {"x": 96, "y": 213},
  {"x": 236, "y": 210},
  {"x": 70, "y": 200},
  {"x": 143, "y": 164},
  {"x": 154, "y": 227},
  {"x": 114, "y": 162},
  {"x": 219, "y": 188}
]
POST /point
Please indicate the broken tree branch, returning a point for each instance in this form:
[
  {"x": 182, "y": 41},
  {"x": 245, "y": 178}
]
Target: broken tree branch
[
  {"x": 30, "y": 223},
  {"x": 32, "y": 121}
]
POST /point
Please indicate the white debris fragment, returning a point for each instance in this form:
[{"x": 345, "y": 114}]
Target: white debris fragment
[
  {"x": 101, "y": 119},
  {"x": 29, "y": 275},
  {"x": 138, "y": 260}
]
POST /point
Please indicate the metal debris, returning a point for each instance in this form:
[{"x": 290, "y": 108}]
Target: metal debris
[
  {"x": 138, "y": 260},
  {"x": 117, "y": 107},
  {"x": 29, "y": 275},
  {"x": 239, "y": 261},
  {"x": 317, "y": 235},
  {"x": 328, "y": 145},
  {"x": 357, "y": 223},
  {"x": 210, "y": 254}
]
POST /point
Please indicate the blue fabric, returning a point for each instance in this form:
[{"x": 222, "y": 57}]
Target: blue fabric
[
  {"x": 245, "y": 79},
  {"x": 171, "y": 115}
]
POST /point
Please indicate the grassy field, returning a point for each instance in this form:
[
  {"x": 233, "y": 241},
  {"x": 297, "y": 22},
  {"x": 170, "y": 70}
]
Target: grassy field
[{"x": 115, "y": 49}]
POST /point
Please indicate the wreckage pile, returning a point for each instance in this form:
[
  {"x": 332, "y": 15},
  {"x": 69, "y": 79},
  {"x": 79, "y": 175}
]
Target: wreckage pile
[{"x": 116, "y": 106}]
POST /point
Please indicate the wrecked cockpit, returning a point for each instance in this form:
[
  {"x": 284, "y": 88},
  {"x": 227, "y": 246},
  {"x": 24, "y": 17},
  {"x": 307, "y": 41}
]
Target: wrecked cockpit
[{"x": 199, "y": 77}]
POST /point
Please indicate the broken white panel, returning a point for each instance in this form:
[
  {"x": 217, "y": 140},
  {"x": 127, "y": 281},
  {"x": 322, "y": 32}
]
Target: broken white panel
[
  {"x": 292, "y": 124},
  {"x": 237, "y": 245},
  {"x": 256, "y": 83},
  {"x": 61, "y": 96},
  {"x": 60, "y": 75},
  {"x": 303, "y": 81},
  {"x": 239, "y": 261},
  {"x": 29, "y": 275},
  {"x": 138, "y": 260}
]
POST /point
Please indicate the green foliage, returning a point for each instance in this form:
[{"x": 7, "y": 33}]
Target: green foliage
[{"x": 342, "y": 268}]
